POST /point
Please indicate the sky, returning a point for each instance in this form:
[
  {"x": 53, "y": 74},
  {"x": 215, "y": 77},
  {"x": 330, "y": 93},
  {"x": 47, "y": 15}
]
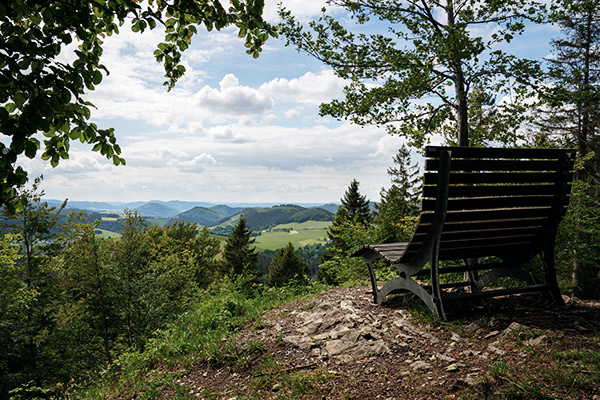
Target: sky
[{"x": 234, "y": 130}]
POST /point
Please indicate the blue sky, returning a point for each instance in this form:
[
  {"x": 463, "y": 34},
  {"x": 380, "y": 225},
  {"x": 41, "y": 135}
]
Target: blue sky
[{"x": 234, "y": 129}]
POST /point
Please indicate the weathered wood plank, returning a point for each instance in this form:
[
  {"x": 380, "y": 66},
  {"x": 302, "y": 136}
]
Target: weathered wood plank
[
  {"x": 472, "y": 178},
  {"x": 489, "y": 203},
  {"x": 495, "y": 165},
  {"x": 497, "y": 152}
]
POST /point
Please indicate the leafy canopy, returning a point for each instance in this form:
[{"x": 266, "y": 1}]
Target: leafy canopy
[
  {"x": 413, "y": 71},
  {"x": 40, "y": 92}
]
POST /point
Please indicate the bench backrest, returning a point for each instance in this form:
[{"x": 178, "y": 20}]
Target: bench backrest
[{"x": 492, "y": 201}]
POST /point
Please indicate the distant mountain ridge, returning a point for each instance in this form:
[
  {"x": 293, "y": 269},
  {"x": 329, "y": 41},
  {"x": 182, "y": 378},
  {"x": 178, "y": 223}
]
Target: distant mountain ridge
[{"x": 110, "y": 206}]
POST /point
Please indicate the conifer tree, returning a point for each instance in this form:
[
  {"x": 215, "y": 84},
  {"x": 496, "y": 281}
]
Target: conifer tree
[
  {"x": 287, "y": 266},
  {"x": 399, "y": 201},
  {"x": 240, "y": 256},
  {"x": 405, "y": 177},
  {"x": 570, "y": 116},
  {"x": 356, "y": 204},
  {"x": 353, "y": 215},
  {"x": 572, "y": 101}
]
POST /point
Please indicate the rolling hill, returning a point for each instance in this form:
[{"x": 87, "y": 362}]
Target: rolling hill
[
  {"x": 157, "y": 210},
  {"x": 200, "y": 215},
  {"x": 259, "y": 219}
]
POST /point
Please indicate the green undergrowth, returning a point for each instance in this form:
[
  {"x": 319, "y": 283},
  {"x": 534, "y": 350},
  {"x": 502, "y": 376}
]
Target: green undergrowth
[
  {"x": 567, "y": 374},
  {"x": 275, "y": 381},
  {"x": 203, "y": 334}
]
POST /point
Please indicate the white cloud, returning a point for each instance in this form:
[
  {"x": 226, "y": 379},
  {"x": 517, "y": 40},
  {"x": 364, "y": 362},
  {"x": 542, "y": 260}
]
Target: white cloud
[
  {"x": 310, "y": 88},
  {"x": 301, "y": 9},
  {"x": 232, "y": 99}
]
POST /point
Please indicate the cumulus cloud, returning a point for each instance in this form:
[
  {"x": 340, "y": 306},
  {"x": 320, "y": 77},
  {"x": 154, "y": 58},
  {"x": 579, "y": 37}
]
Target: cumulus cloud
[
  {"x": 227, "y": 134},
  {"x": 310, "y": 88},
  {"x": 197, "y": 164},
  {"x": 301, "y": 9},
  {"x": 233, "y": 99}
]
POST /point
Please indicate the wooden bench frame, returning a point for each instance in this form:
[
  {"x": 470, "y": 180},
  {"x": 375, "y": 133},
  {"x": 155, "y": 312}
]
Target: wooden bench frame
[{"x": 477, "y": 203}]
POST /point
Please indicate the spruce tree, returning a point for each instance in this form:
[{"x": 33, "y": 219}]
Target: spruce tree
[
  {"x": 399, "y": 201},
  {"x": 287, "y": 266},
  {"x": 353, "y": 214},
  {"x": 570, "y": 117},
  {"x": 356, "y": 204},
  {"x": 405, "y": 177},
  {"x": 572, "y": 100},
  {"x": 240, "y": 256}
]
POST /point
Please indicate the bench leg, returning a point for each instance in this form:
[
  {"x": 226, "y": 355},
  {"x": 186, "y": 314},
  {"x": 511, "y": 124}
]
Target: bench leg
[
  {"x": 550, "y": 273},
  {"x": 408, "y": 284},
  {"x": 376, "y": 297},
  {"x": 436, "y": 292},
  {"x": 471, "y": 276}
]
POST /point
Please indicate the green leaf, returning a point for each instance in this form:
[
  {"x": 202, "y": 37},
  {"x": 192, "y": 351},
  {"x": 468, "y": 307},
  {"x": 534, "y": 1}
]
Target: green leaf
[
  {"x": 3, "y": 115},
  {"x": 31, "y": 148},
  {"x": 10, "y": 107},
  {"x": 97, "y": 78}
]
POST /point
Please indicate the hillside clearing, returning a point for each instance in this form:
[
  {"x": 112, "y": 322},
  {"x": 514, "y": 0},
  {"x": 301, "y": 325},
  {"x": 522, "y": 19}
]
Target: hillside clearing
[
  {"x": 299, "y": 234},
  {"x": 339, "y": 345}
]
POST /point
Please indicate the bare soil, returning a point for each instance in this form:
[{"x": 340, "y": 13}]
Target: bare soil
[{"x": 339, "y": 345}]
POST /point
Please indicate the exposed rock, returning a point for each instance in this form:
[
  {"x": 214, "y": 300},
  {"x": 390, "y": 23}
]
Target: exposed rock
[
  {"x": 514, "y": 326},
  {"x": 493, "y": 349},
  {"x": 540, "y": 340},
  {"x": 420, "y": 365},
  {"x": 491, "y": 334},
  {"x": 300, "y": 341},
  {"x": 475, "y": 325}
]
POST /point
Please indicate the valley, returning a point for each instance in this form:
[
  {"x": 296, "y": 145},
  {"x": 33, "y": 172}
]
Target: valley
[{"x": 273, "y": 226}]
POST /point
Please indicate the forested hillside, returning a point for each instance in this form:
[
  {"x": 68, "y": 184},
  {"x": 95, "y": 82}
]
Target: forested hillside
[
  {"x": 200, "y": 215},
  {"x": 263, "y": 218},
  {"x": 158, "y": 210}
]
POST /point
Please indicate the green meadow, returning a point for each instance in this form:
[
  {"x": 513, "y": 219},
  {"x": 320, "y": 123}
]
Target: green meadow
[{"x": 298, "y": 233}]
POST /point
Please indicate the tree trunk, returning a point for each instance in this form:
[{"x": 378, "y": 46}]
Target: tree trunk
[
  {"x": 460, "y": 103},
  {"x": 100, "y": 284},
  {"x": 583, "y": 133}
]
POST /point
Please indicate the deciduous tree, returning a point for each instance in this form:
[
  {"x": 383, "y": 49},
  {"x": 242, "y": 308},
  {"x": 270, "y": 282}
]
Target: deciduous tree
[
  {"x": 40, "y": 92},
  {"x": 415, "y": 73}
]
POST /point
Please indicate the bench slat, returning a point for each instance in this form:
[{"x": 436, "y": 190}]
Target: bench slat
[
  {"x": 475, "y": 243},
  {"x": 482, "y": 233},
  {"x": 492, "y": 190},
  {"x": 484, "y": 203},
  {"x": 496, "y": 293},
  {"x": 498, "y": 250},
  {"x": 431, "y": 178},
  {"x": 482, "y": 225},
  {"x": 497, "y": 152},
  {"x": 495, "y": 165},
  {"x": 490, "y": 215}
]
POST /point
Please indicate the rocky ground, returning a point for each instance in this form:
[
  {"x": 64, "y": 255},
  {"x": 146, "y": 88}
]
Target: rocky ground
[{"x": 339, "y": 345}]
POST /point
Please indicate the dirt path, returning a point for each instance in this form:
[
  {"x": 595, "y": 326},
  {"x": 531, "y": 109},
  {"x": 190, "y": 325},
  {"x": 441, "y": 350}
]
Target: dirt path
[{"x": 339, "y": 345}]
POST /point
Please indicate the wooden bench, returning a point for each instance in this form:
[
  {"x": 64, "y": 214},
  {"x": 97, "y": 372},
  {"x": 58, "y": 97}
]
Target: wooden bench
[{"x": 493, "y": 208}]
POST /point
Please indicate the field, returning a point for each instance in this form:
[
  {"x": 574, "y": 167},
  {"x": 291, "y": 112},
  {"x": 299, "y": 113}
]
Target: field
[
  {"x": 299, "y": 234},
  {"x": 104, "y": 234}
]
